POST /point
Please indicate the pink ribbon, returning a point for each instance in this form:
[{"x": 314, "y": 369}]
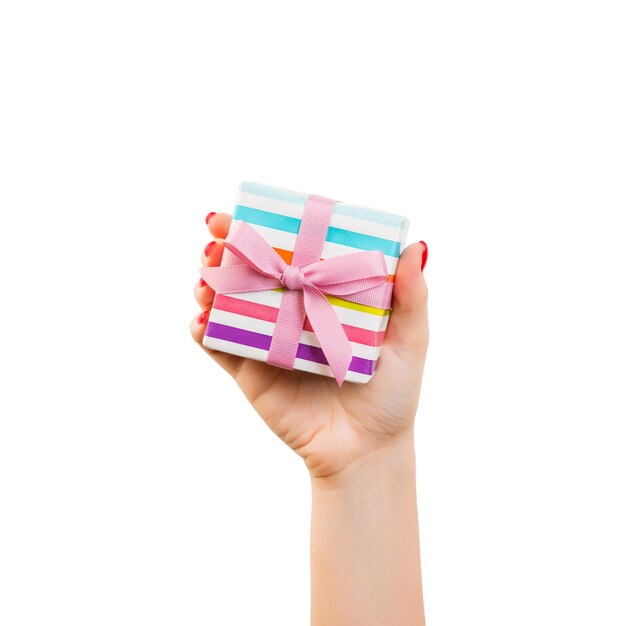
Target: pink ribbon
[{"x": 359, "y": 275}]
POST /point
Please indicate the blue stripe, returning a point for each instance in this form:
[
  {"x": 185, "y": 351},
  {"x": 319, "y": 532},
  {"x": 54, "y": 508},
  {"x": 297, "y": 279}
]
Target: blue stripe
[
  {"x": 334, "y": 235},
  {"x": 364, "y": 242},
  {"x": 265, "y": 218},
  {"x": 351, "y": 210}
]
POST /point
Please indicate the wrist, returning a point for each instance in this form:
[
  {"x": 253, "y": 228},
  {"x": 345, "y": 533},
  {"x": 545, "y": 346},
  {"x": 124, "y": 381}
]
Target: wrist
[
  {"x": 387, "y": 466},
  {"x": 365, "y": 558}
]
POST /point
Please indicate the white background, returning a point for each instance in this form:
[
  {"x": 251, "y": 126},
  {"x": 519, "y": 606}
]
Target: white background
[{"x": 136, "y": 485}]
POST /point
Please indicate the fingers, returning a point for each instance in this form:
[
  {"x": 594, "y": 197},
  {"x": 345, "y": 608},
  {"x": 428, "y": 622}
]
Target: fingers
[
  {"x": 211, "y": 257},
  {"x": 219, "y": 224},
  {"x": 408, "y": 324}
]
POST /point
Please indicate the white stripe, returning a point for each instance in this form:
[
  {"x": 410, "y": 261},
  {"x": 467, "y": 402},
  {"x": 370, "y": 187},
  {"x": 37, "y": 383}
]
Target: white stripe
[
  {"x": 345, "y": 222},
  {"x": 237, "y": 349},
  {"x": 331, "y": 250},
  {"x": 274, "y": 237}
]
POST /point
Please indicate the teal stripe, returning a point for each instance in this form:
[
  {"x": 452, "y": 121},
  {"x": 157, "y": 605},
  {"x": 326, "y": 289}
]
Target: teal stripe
[
  {"x": 351, "y": 210},
  {"x": 364, "y": 242},
  {"x": 265, "y": 218},
  {"x": 334, "y": 235}
]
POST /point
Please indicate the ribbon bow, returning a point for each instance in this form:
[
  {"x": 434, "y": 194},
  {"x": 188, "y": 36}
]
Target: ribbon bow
[{"x": 348, "y": 275}]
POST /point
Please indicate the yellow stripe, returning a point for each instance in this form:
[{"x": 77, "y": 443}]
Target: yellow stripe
[
  {"x": 357, "y": 307},
  {"x": 352, "y": 305}
]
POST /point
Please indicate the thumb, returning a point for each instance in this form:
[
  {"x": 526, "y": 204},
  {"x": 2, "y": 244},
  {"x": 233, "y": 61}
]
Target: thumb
[{"x": 408, "y": 323}]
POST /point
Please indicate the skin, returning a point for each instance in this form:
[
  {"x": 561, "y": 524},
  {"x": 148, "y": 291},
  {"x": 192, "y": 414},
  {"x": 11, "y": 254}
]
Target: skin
[{"x": 357, "y": 443}]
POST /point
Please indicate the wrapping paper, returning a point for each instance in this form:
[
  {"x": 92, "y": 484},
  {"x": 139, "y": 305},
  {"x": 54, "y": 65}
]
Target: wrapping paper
[{"x": 243, "y": 323}]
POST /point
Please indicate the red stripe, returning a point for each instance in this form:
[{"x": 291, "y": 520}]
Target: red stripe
[
  {"x": 243, "y": 307},
  {"x": 267, "y": 313}
]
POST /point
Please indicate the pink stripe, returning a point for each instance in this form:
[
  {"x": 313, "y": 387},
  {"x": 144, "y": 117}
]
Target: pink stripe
[
  {"x": 243, "y": 307},
  {"x": 270, "y": 314}
]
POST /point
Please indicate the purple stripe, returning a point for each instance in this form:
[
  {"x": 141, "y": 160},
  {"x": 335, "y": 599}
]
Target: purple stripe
[
  {"x": 238, "y": 335},
  {"x": 258, "y": 340},
  {"x": 313, "y": 353}
]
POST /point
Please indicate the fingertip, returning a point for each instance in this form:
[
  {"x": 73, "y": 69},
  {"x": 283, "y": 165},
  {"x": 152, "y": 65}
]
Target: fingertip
[
  {"x": 212, "y": 253},
  {"x": 219, "y": 224},
  {"x": 409, "y": 281},
  {"x": 424, "y": 254},
  {"x": 197, "y": 326},
  {"x": 203, "y": 293}
]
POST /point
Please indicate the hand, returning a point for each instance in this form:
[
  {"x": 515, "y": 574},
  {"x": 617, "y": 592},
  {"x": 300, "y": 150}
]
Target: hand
[{"x": 328, "y": 426}]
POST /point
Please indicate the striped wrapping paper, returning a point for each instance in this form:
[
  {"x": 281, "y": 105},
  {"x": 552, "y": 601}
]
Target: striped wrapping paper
[{"x": 243, "y": 323}]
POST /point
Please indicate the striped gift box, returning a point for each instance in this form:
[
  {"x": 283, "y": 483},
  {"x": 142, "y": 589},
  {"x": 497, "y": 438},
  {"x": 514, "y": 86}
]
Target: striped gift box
[{"x": 243, "y": 323}]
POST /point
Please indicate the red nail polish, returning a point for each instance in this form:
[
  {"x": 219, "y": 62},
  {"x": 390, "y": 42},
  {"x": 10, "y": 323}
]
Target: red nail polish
[
  {"x": 203, "y": 317},
  {"x": 424, "y": 255},
  {"x": 208, "y": 248},
  {"x": 207, "y": 219},
  {"x": 202, "y": 283}
]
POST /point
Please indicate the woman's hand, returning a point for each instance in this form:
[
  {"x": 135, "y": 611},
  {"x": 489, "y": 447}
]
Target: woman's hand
[
  {"x": 328, "y": 426},
  {"x": 357, "y": 442}
]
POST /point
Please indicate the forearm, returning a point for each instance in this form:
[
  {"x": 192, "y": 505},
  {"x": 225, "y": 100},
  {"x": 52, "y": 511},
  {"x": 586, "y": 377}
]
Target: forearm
[{"x": 365, "y": 557}]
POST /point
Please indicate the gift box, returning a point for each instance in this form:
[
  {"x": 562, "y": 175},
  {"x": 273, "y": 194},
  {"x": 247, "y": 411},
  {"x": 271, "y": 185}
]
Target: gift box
[{"x": 305, "y": 282}]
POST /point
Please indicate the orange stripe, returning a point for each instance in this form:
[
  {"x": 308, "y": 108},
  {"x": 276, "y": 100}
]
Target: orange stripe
[{"x": 287, "y": 256}]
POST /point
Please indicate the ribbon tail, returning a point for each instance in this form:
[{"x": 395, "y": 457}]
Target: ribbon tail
[
  {"x": 287, "y": 331},
  {"x": 329, "y": 332}
]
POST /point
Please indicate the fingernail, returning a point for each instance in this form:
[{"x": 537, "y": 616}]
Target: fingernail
[
  {"x": 202, "y": 318},
  {"x": 202, "y": 283},
  {"x": 208, "y": 248},
  {"x": 207, "y": 219},
  {"x": 424, "y": 255}
]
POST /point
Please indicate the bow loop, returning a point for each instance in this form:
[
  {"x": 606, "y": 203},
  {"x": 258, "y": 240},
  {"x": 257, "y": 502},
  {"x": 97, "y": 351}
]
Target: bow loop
[
  {"x": 350, "y": 273},
  {"x": 245, "y": 243}
]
